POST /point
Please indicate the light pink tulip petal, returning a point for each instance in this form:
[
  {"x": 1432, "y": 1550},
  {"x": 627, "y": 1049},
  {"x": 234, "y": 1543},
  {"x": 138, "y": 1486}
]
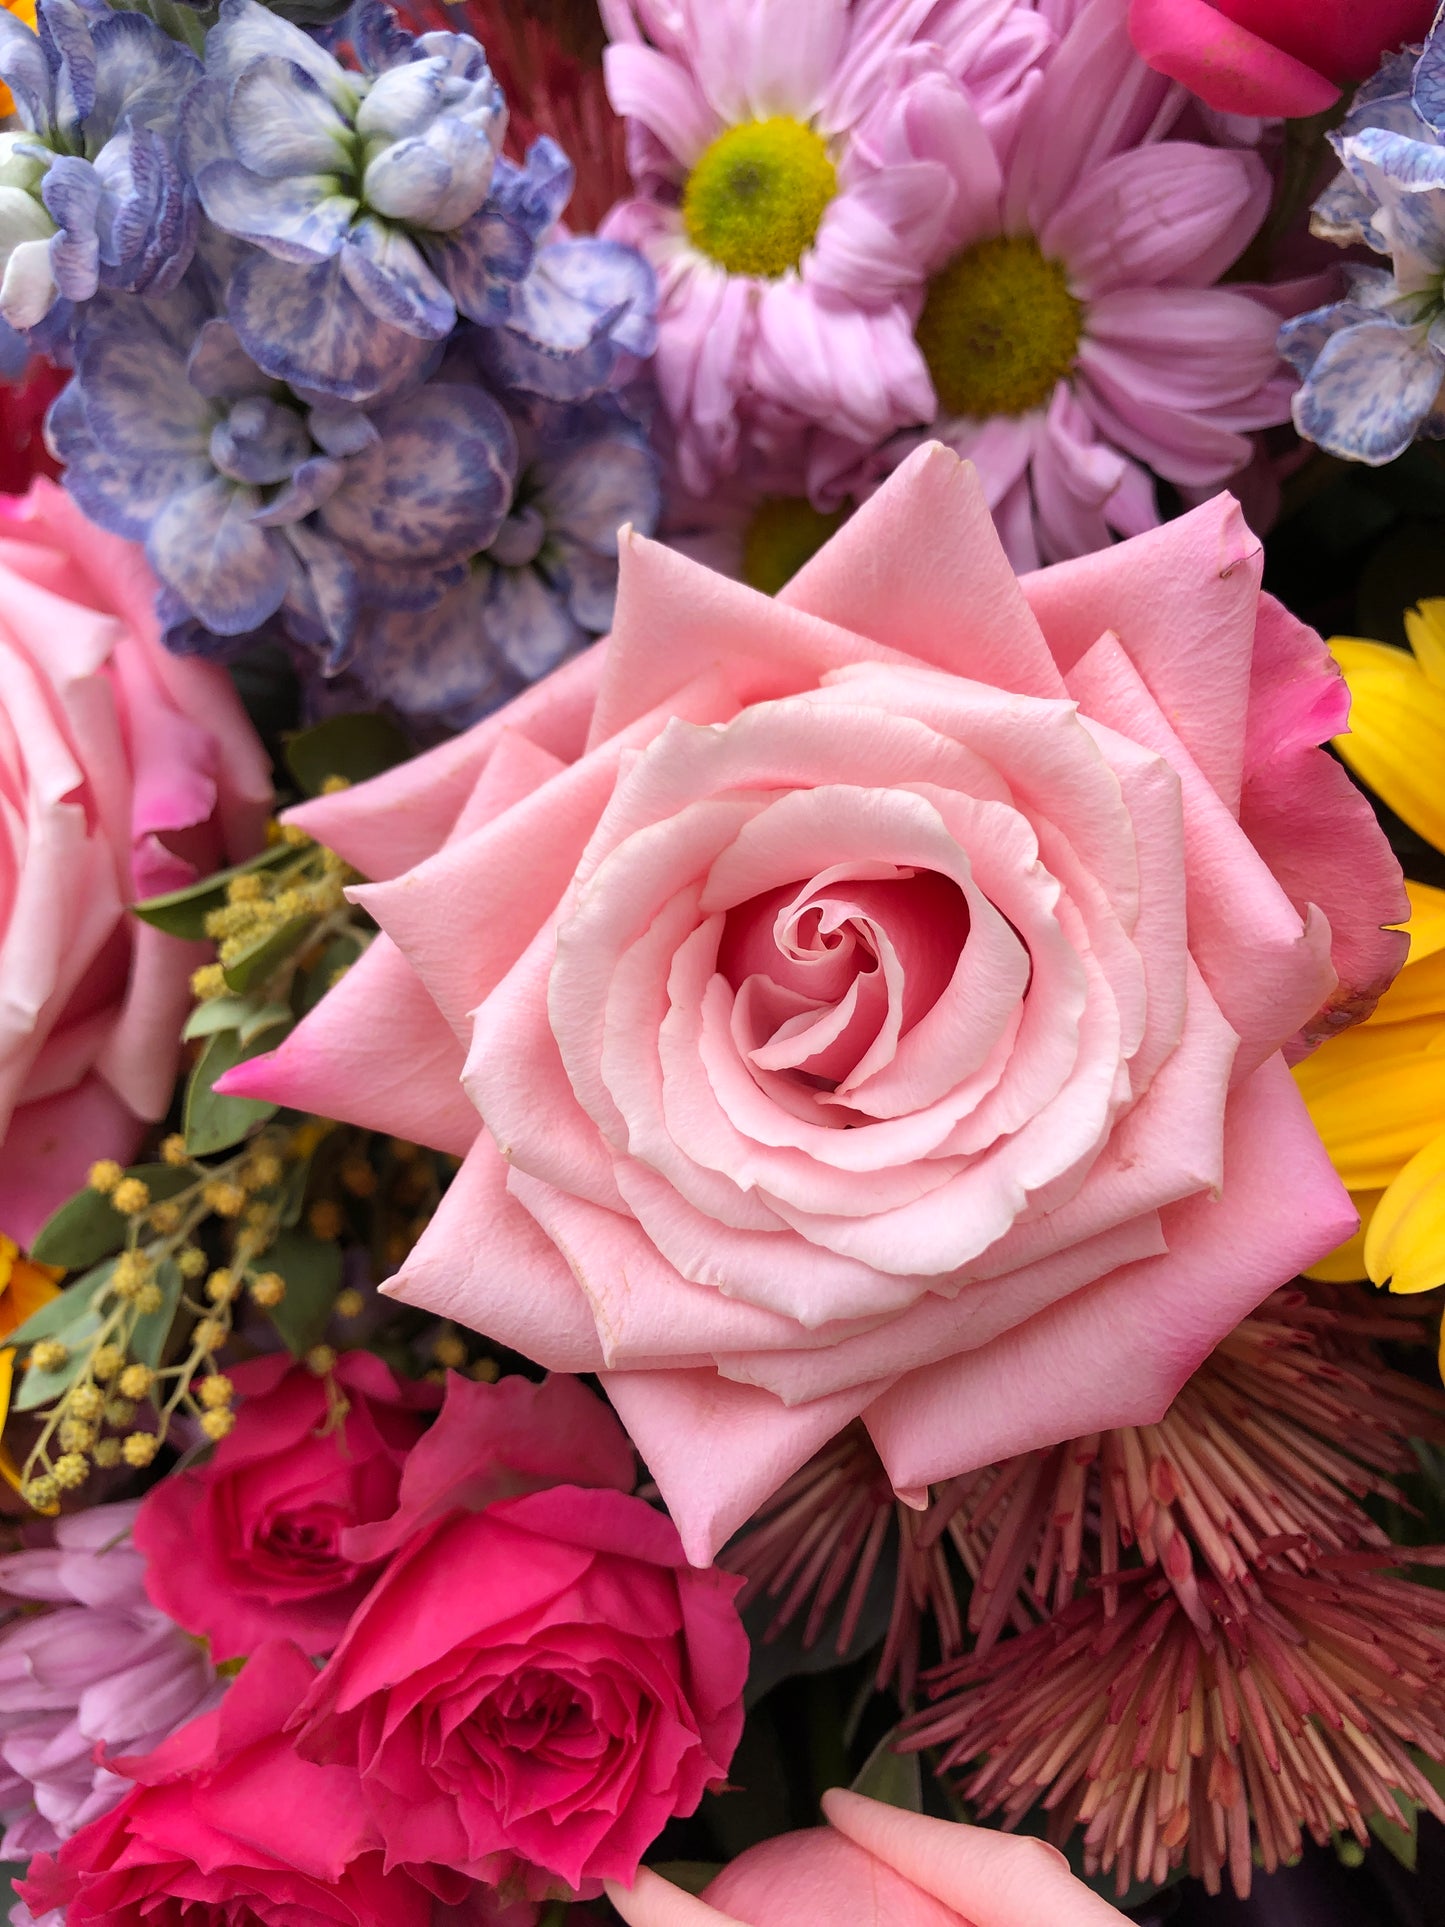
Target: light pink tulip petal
[
  {"x": 994, "y": 1879},
  {"x": 398, "y": 819},
  {"x": 820, "y": 1876},
  {"x": 1269, "y": 970},
  {"x": 1071, "y": 1371},
  {"x": 51, "y": 1144},
  {"x": 920, "y": 570},
  {"x": 1193, "y": 652},
  {"x": 717, "y": 1450},
  {"x": 483, "y": 1262},
  {"x": 652, "y": 1901},
  {"x": 401, "y": 1075}
]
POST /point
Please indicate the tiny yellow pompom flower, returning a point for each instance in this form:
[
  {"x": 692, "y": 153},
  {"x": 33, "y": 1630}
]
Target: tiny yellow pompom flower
[
  {"x": 130, "y": 1197},
  {"x": 167, "y": 1217},
  {"x": 321, "y": 1359},
  {"x": 76, "y": 1435},
  {"x": 104, "y": 1176},
  {"x": 487, "y": 1370},
  {"x": 139, "y": 1448},
  {"x": 293, "y": 835},
  {"x": 215, "y": 1391},
  {"x": 131, "y": 1275},
  {"x": 41, "y": 1492},
  {"x": 119, "y": 1412},
  {"x": 107, "y": 1362},
  {"x": 217, "y": 1424},
  {"x": 268, "y": 1289},
  {"x": 86, "y": 1402},
  {"x": 450, "y": 1350},
  {"x": 71, "y": 1469},
  {"x": 209, "y": 1336},
  {"x": 245, "y": 889},
  {"x": 324, "y": 1219},
  {"x": 106, "y": 1453},
  {"x": 221, "y": 1286},
  {"x": 333, "y": 785},
  {"x": 208, "y": 983},
  {"x": 191, "y": 1261},
  {"x": 227, "y": 1200},
  {"x": 349, "y": 1303},
  {"x": 265, "y": 1170},
  {"x": 135, "y": 1381},
  {"x": 49, "y": 1355},
  {"x": 149, "y": 1299},
  {"x": 359, "y": 1178}
]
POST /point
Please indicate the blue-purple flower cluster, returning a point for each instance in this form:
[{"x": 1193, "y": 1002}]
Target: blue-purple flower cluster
[{"x": 335, "y": 365}]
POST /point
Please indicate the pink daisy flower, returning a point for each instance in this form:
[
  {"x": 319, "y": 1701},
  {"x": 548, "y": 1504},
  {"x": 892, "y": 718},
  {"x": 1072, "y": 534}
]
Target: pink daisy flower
[
  {"x": 793, "y": 182},
  {"x": 1071, "y": 329}
]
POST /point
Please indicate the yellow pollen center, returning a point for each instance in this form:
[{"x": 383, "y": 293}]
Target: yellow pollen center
[
  {"x": 999, "y": 328},
  {"x": 785, "y": 532},
  {"x": 755, "y": 198}
]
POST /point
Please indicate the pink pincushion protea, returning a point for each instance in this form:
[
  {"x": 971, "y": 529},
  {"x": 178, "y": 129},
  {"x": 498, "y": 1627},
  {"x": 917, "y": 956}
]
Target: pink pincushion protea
[
  {"x": 791, "y": 162},
  {"x": 1075, "y": 342}
]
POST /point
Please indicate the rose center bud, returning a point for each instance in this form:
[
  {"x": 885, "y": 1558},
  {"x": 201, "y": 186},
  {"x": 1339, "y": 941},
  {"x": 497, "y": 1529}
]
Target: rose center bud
[
  {"x": 999, "y": 328},
  {"x": 754, "y": 201},
  {"x": 830, "y": 977},
  {"x": 785, "y": 532}
]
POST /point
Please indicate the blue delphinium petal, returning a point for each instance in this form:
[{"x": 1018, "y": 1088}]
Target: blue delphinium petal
[
  {"x": 1428, "y": 89},
  {"x": 438, "y": 664},
  {"x": 260, "y": 441},
  {"x": 590, "y": 491},
  {"x": 530, "y": 625},
  {"x": 588, "y": 581},
  {"x": 326, "y": 593},
  {"x": 341, "y": 430},
  {"x": 402, "y": 102},
  {"x": 387, "y": 272},
  {"x": 121, "y": 491},
  {"x": 300, "y": 218},
  {"x": 484, "y": 262},
  {"x": 585, "y": 306},
  {"x": 245, "y": 32},
  {"x": 305, "y": 326},
  {"x": 25, "y": 71},
  {"x": 65, "y": 36},
  {"x": 380, "y": 43},
  {"x": 311, "y": 483},
  {"x": 72, "y": 192},
  {"x": 142, "y": 75},
  {"x": 218, "y": 365},
  {"x": 1369, "y": 391},
  {"x": 133, "y": 370},
  {"x": 435, "y": 485},
  {"x": 205, "y": 545},
  {"x": 281, "y": 121}
]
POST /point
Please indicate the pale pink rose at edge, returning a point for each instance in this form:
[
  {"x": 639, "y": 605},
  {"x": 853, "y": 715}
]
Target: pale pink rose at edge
[
  {"x": 878, "y": 1867},
  {"x": 1077, "y": 1157}
]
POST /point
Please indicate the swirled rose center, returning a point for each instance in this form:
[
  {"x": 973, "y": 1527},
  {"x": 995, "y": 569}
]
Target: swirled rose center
[
  {"x": 829, "y": 975},
  {"x": 755, "y": 199},
  {"x": 999, "y": 328}
]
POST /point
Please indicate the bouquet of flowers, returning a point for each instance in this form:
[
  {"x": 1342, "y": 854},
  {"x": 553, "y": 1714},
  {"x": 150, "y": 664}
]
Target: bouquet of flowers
[{"x": 722, "y": 1036}]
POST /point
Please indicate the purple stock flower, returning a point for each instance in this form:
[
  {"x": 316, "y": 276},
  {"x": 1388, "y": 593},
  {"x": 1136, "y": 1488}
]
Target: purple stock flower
[
  {"x": 100, "y": 1672},
  {"x": 91, "y": 191}
]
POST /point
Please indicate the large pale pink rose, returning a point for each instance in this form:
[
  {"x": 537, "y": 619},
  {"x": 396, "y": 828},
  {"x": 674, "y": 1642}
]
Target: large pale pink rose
[
  {"x": 126, "y": 772},
  {"x": 874, "y": 998},
  {"x": 877, "y": 1867}
]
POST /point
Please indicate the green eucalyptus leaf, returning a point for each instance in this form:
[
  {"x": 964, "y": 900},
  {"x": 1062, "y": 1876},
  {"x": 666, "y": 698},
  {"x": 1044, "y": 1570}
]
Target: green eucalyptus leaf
[
  {"x": 340, "y": 954},
  {"x": 54, "y": 1320},
  {"x": 1403, "y": 1842},
  {"x": 312, "y": 1270},
  {"x": 264, "y": 957},
  {"x": 183, "y": 913},
  {"x": 895, "y": 1779},
  {"x": 355, "y": 747},
  {"x": 88, "y": 1228},
  {"x": 40, "y": 1388},
  {"x": 153, "y": 1328},
  {"x": 266, "y": 1017},
  {"x": 213, "y": 1122},
  {"x": 221, "y": 1013}
]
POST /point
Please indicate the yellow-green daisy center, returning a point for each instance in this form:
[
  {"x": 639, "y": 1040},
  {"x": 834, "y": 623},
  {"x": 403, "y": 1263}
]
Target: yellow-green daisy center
[
  {"x": 755, "y": 198},
  {"x": 999, "y": 328},
  {"x": 785, "y": 532}
]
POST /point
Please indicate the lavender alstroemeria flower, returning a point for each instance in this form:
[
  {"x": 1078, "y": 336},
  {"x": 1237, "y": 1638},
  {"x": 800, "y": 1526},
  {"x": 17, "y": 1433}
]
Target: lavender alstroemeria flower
[
  {"x": 540, "y": 590},
  {"x": 376, "y": 199},
  {"x": 1374, "y": 363},
  {"x": 91, "y": 192},
  {"x": 101, "y": 1669},
  {"x": 252, "y": 499}
]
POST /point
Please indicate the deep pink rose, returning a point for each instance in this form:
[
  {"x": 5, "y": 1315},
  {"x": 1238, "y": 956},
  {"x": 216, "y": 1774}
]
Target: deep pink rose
[
  {"x": 251, "y": 1546},
  {"x": 877, "y": 1867},
  {"x": 227, "y": 1823},
  {"x": 1273, "y": 57},
  {"x": 875, "y": 998},
  {"x": 534, "y": 1688},
  {"x": 127, "y": 772}
]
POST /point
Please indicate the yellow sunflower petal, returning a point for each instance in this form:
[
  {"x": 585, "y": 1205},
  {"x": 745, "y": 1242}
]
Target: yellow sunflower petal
[
  {"x": 1376, "y": 1099},
  {"x": 1396, "y": 739},
  {"x": 1405, "y": 1245},
  {"x": 1425, "y": 627},
  {"x": 1346, "y": 1264},
  {"x": 24, "y": 1286},
  {"x": 9, "y": 1470}
]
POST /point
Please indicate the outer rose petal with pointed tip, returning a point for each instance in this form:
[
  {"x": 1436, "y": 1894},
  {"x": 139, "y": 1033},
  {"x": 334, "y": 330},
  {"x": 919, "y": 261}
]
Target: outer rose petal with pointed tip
[
  {"x": 877, "y": 1866},
  {"x": 953, "y": 860},
  {"x": 131, "y": 772},
  {"x": 1273, "y": 57}
]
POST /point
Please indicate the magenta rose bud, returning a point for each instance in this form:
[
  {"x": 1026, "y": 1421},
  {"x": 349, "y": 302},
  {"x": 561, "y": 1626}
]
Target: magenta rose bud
[
  {"x": 1273, "y": 57},
  {"x": 225, "y": 1822},
  {"x": 128, "y": 772},
  {"x": 874, "y": 1001},
  {"x": 535, "y": 1688},
  {"x": 901, "y": 1869},
  {"x": 250, "y": 1547}
]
